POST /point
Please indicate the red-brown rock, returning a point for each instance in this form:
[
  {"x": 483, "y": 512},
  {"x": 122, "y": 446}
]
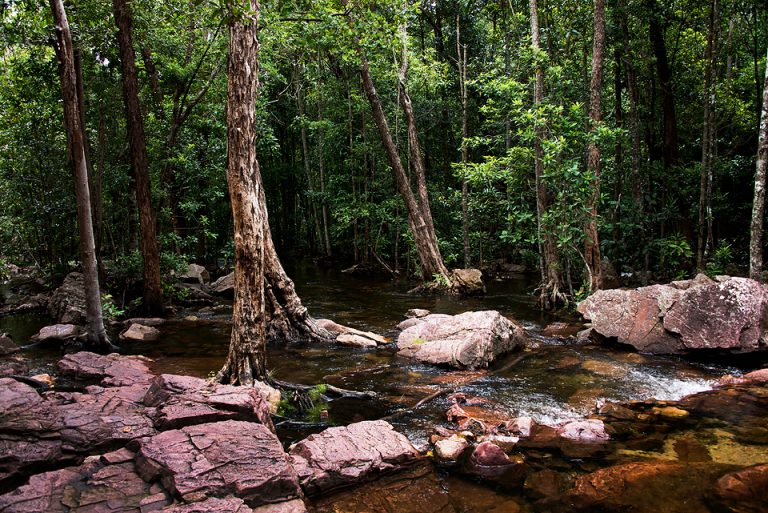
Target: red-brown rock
[
  {"x": 111, "y": 370},
  {"x": 342, "y": 456},
  {"x": 744, "y": 491},
  {"x": 184, "y": 400},
  {"x": 230, "y": 457}
]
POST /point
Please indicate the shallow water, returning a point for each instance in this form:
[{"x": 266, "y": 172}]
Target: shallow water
[{"x": 551, "y": 384}]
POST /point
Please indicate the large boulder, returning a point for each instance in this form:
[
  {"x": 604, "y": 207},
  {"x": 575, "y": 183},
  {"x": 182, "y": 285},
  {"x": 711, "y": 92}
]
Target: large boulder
[
  {"x": 98, "y": 485},
  {"x": 469, "y": 340},
  {"x": 467, "y": 282},
  {"x": 744, "y": 491},
  {"x": 224, "y": 286},
  {"x": 196, "y": 274},
  {"x": 685, "y": 316},
  {"x": 110, "y": 370},
  {"x": 183, "y": 401},
  {"x": 56, "y": 333},
  {"x": 217, "y": 459},
  {"x": 140, "y": 333},
  {"x": 67, "y": 303},
  {"x": 343, "y": 456}
]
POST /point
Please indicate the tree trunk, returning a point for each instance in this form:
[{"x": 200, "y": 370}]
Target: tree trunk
[
  {"x": 758, "y": 205},
  {"x": 461, "y": 60},
  {"x": 707, "y": 142},
  {"x": 96, "y": 335},
  {"x": 246, "y": 360},
  {"x": 670, "y": 141},
  {"x": 153, "y": 298},
  {"x": 592, "y": 241},
  {"x": 551, "y": 290},
  {"x": 312, "y": 200}
]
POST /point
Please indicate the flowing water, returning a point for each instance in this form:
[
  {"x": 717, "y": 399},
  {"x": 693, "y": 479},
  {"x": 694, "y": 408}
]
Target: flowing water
[{"x": 553, "y": 383}]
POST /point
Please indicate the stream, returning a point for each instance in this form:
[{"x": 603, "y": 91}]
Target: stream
[{"x": 554, "y": 383}]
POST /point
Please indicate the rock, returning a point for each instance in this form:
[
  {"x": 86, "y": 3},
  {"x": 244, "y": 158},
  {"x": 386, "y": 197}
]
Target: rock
[
  {"x": 67, "y": 303},
  {"x": 196, "y": 274},
  {"x": 192, "y": 296},
  {"x": 544, "y": 484},
  {"x": 7, "y": 346},
  {"x": 605, "y": 368},
  {"x": 451, "y": 448},
  {"x": 350, "y": 339},
  {"x": 140, "y": 333},
  {"x": 347, "y": 336},
  {"x": 146, "y": 321},
  {"x": 292, "y": 506},
  {"x": 561, "y": 330},
  {"x": 644, "y": 487},
  {"x": 417, "y": 313},
  {"x": 45, "y": 379},
  {"x": 230, "y": 457},
  {"x": 212, "y": 505},
  {"x": 112, "y": 370},
  {"x": 589, "y": 431},
  {"x": 224, "y": 286},
  {"x": 669, "y": 412},
  {"x": 412, "y": 321},
  {"x": 744, "y": 491},
  {"x": 469, "y": 340},
  {"x": 609, "y": 276},
  {"x": 467, "y": 282},
  {"x": 90, "y": 487},
  {"x": 184, "y": 401},
  {"x": 56, "y": 333},
  {"x": 758, "y": 376},
  {"x": 342, "y": 456},
  {"x": 686, "y": 316},
  {"x": 489, "y": 462},
  {"x": 521, "y": 426}
]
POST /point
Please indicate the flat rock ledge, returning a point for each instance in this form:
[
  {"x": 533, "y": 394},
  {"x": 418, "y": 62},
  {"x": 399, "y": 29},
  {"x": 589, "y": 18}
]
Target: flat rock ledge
[
  {"x": 726, "y": 314},
  {"x": 469, "y": 340},
  {"x": 230, "y": 457},
  {"x": 344, "y": 456},
  {"x": 112, "y": 370}
]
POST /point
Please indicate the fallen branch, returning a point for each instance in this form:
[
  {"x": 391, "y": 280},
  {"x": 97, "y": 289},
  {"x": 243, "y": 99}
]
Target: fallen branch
[{"x": 340, "y": 392}]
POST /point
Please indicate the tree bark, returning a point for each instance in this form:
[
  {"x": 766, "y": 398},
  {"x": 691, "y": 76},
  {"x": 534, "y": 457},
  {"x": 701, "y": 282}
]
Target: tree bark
[
  {"x": 592, "y": 241},
  {"x": 461, "y": 60},
  {"x": 551, "y": 290},
  {"x": 96, "y": 335},
  {"x": 246, "y": 360},
  {"x": 153, "y": 296},
  {"x": 758, "y": 205},
  {"x": 707, "y": 142}
]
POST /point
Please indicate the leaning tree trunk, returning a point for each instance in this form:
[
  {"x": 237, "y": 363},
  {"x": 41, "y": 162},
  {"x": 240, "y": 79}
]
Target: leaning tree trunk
[
  {"x": 96, "y": 335},
  {"x": 246, "y": 360},
  {"x": 153, "y": 296},
  {"x": 758, "y": 206},
  {"x": 592, "y": 241}
]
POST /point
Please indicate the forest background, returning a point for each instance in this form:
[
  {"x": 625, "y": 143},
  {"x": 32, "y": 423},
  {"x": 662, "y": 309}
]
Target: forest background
[{"x": 503, "y": 99}]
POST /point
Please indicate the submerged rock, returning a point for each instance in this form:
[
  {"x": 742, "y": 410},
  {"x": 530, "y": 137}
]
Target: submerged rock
[
  {"x": 693, "y": 315},
  {"x": 490, "y": 462},
  {"x": 230, "y": 457},
  {"x": 342, "y": 456},
  {"x": 469, "y": 340}
]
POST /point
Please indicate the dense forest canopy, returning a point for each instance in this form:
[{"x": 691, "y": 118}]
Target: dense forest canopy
[{"x": 680, "y": 100}]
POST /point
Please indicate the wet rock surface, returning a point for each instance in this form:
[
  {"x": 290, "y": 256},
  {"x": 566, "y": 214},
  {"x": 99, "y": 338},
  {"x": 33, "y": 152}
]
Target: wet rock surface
[
  {"x": 342, "y": 456},
  {"x": 469, "y": 340},
  {"x": 698, "y": 314},
  {"x": 7, "y": 345},
  {"x": 230, "y": 457},
  {"x": 140, "y": 333}
]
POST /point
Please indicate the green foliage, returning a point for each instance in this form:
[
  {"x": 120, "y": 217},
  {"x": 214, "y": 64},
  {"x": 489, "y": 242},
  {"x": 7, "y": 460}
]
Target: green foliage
[
  {"x": 109, "y": 309},
  {"x": 674, "y": 254},
  {"x": 720, "y": 260}
]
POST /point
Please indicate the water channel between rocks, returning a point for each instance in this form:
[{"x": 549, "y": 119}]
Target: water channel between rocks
[{"x": 554, "y": 383}]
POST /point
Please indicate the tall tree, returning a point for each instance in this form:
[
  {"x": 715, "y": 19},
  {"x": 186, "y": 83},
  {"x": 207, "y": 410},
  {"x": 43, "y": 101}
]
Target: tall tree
[
  {"x": 758, "y": 204},
  {"x": 592, "y": 241},
  {"x": 153, "y": 295},
  {"x": 708, "y": 139},
  {"x": 670, "y": 136},
  {"x": 96, "y": 335},
  {"x": 246, "y": 360}
]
